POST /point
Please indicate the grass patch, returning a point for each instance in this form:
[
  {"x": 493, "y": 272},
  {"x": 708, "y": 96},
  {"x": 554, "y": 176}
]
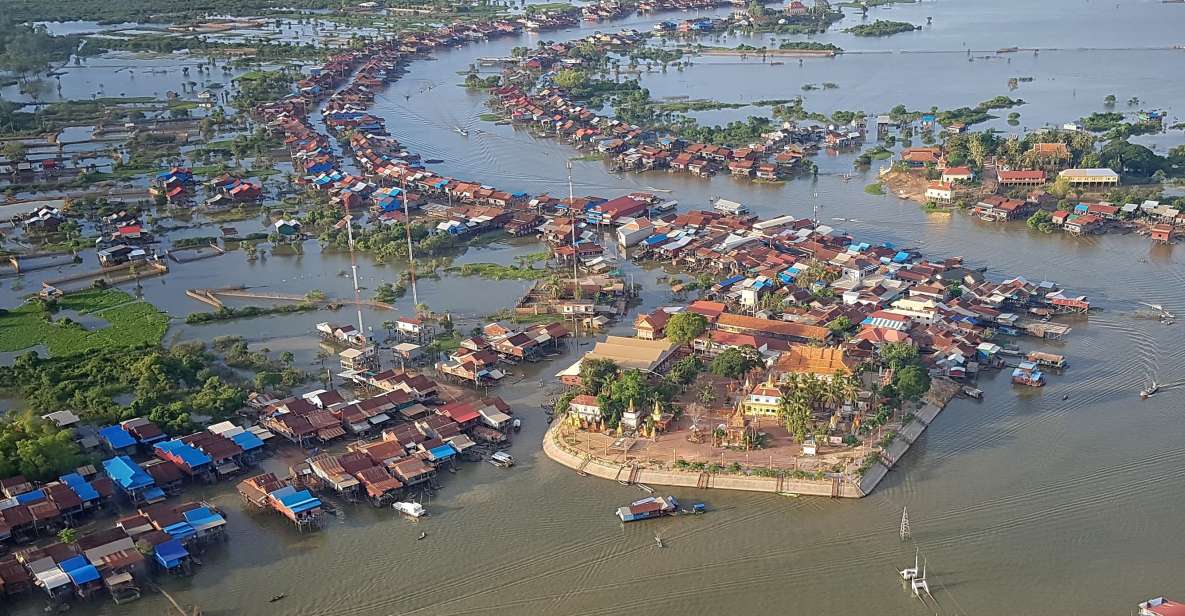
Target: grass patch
[
  {"x": 494, "y": 271},
  {"x": 246, "y": 312},
  {"x": 696, "y": 105},
  {"x": 875, "y": 189},
  {"x": 130, "y": 323},
  {"x": 490, "y": 117}
]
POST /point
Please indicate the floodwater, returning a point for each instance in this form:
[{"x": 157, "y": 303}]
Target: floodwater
[{"x": 1024, "y": 503}]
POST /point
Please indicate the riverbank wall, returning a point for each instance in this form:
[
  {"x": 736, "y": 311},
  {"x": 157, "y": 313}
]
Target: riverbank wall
[
  {"x": 607, "y": 469},
  {"x": 892, "y": 454},
  {"x": 834, "y": 488}
]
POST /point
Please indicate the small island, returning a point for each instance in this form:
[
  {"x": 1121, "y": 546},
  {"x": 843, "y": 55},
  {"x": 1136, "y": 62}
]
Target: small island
[{"x": 882, "y": 27}]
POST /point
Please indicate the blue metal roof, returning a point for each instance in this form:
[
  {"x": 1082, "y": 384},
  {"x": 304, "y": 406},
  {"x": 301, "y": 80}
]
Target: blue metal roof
[
  {"x": 126, "y": 474},
  {"x": 442, "y": 452},
  {"x": 154, "y": 493},
  {"x": 80, "y": 570},
  {"x": 83, "y": 489},
  {"x": 170, "y": 553},
  {"x": 901, "y": 257},
  {"x": 29, "y": 497},
  {"x": 247, "y": 441},
  {"x": 116, "y": 437},
  {"x": 728, "y": 282},
  {"x": 189, "y": 454},
  {"x": 180, "y": 530},
  {"x": 296, "y": 501},
  {"x": 203, "y": 517}
]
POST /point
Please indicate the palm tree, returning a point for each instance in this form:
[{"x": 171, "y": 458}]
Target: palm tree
[
  {"x": 796, "y": 415},
  {"x": 67, "y": 535},
  {"x": 707, "y": 395}
]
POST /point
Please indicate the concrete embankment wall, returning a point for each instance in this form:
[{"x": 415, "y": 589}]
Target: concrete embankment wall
[
  {"x": 605, "y": 469},
  {"x": 905, "y": 439}
]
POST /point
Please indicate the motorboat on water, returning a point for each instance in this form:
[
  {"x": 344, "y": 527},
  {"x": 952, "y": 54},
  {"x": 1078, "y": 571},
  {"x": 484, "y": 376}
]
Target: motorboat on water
[
  {"x": 1149, "y": 391},
  {"x": 501, "y": 459},
  {"x": 410, "y": 509},
  {"x": 517, "y": 424},
  {"x": 461, "y": 131}
]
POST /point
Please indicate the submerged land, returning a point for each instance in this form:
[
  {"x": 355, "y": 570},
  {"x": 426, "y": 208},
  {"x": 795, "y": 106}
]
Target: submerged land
[{"x": 280, "y": 275}]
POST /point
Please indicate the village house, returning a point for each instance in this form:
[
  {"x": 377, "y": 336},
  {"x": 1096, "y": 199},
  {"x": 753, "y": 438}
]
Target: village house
[
  {"x": 940, "y": 192},
  {"x": 585, "y": 408},
  {"x": 652, "y": 326},
  {"x": 951, "y": 175},
  {"x": 999, "y": 208},
  {"x": 920, "y": 157}
]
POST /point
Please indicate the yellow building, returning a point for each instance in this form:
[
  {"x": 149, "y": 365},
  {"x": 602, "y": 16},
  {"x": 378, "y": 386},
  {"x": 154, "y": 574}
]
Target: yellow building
[
  {"x": 1091, "y": 178},
  {"x": 764, "y": 399}
]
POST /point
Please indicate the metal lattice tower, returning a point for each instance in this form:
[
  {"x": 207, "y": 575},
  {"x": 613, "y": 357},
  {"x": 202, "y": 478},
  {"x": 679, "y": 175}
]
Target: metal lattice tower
[{"x": 904, "y": 524}]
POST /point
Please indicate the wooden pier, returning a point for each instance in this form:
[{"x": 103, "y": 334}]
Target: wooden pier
[
  {"x": 214, "y": 297},
  {"x": 116, "y": 274}
]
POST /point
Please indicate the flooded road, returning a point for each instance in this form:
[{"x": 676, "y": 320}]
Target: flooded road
[{"x": 1024, "y": 503}]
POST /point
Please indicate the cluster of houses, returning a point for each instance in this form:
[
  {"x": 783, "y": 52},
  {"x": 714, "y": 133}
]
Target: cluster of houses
[
  {"x": 637, "y": 148},
  {"x": 228, "y": 191},
  {"x": 122, "y": 228},
  {"x": 174, "y": 185},
  {"x": 43, "y": 220},
  {"x": 417, "y": 434},
  {"x": 116, "y": 561},
  {"x": 476, "y": 359},
  {"x": 1158, "y": 221},
  {"x": 393, "y": 178},
  {"x": 811, "y": 296}
]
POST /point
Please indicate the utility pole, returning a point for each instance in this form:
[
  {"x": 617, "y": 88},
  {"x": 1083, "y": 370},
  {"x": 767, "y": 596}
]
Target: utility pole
[
  {"x": 354, "y": 270},
  {"x": 411, "y": 257},
  {"x": 572, "y": 209}
]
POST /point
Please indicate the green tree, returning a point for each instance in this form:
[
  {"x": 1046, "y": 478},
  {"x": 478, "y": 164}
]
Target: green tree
[
  {"x": 839, "y": 325},
  {"x": 734, "y": 362},
  {"x": 911, "y": 382},
  {"x": 796, "y": 416},
  {"x": 686, "y": 326},
  {"x": 14, "y": 151},
  {"x": 596, "y": 374},
  {"x": 67, "y": 535},
  {"x": 570, "y": 78},
  {"x": 898, "y": 354}
]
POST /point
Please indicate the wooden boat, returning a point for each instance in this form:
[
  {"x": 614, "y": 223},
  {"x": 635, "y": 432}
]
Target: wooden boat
[
  {"x": 972, "y": 392},
  {"x": 410, "y": 509},
  {"x": 501, "y": 459},
  {"x": 1049, "y": 360}
]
